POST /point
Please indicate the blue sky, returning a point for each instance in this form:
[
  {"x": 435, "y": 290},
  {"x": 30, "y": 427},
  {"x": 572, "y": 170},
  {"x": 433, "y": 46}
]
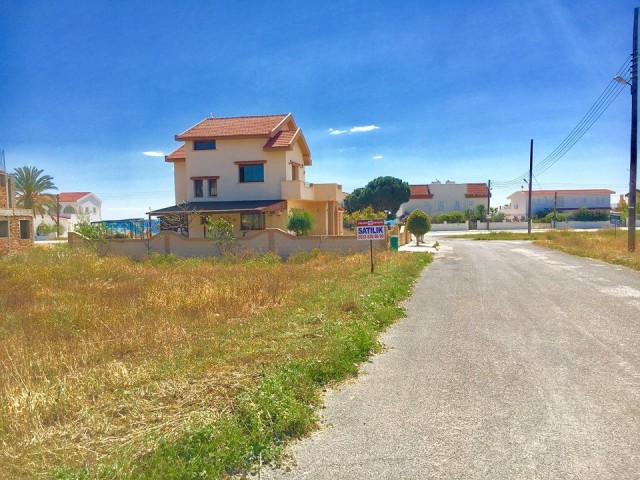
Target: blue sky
[{"x": 457, "y": 89}]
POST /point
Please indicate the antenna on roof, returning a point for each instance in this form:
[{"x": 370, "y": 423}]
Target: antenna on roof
[{"x": 211, "y": 115}]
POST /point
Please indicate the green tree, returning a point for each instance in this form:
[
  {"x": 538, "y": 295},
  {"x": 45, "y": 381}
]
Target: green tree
[
  {"x": 300, "y": 221},
  {"x": 356, "y": 201},
  {"x": 418, "y": 224},
  {"x": 367, "y": 213},
  {"x": 31, "y": 188},
  {"x": 384, "y": 194},
  {"x": 221, "y": 233}
]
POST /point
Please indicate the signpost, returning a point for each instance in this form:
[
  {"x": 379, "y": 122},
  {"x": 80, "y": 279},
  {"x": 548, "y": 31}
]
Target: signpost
[
  {"x": 371, "y": 230},
  {"x": 615, "y": 220}
]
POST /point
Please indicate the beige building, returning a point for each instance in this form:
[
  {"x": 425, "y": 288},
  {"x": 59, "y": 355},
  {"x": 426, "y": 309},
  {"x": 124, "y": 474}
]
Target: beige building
[
  {"x": 250, "y": 171},
  {"x": 437, "y": 198},
  {"x": 16, "y": 225}
]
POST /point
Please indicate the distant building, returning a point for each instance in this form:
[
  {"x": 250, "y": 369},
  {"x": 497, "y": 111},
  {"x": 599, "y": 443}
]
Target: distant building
[
  {"x": 75, "y": 207},
  {"x": 437, "y": 198},
  {"x": 567, "y": 200},
  {"x": 16, "y": 224}
]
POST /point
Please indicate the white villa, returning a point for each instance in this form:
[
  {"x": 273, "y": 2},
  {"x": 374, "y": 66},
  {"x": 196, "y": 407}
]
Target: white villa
[
  {"x": 436, "y": 197},
  {"x": 75, "y": 207},
  {"x": 250, "y": 171},
  {"x": 564, "y": 200}
]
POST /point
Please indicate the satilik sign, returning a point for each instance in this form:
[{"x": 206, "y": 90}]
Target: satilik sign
[{"x": 371, "y": 230}]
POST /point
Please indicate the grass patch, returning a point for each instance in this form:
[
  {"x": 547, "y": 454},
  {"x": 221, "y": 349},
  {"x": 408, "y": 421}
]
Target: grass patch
[
  {"x": 506, "y": 236},
  {"x": 607, "y": 245},
  {"x": 178, "y": 368}
]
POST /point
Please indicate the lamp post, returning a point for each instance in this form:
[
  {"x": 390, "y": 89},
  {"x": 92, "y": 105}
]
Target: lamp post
[{"x": 633, "y": 163}]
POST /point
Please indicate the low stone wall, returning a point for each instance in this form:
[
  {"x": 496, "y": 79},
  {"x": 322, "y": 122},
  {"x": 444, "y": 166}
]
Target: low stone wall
[
  {"x": 261, "y": 241},
  {"x": 537, "y": 226},
  {"x": 449, "y": 227}
]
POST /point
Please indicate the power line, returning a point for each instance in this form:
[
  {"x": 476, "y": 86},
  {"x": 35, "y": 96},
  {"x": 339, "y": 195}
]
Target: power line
[{"x": 606, "y": 98}]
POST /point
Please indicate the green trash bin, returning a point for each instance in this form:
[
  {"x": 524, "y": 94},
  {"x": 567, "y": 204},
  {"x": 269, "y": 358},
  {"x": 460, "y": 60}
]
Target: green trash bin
[{"x": 394, "y": 242}]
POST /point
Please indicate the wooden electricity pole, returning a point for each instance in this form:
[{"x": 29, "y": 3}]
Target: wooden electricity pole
[
  {"x": 530, "y": 186},
  {"x": 631, "y": 224},
  {"x": 488, "y": 204}
]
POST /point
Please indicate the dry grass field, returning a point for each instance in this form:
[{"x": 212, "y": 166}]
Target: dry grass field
[
  {"x": 103, "y": 358},
  {"x": 607, "y": 245}
]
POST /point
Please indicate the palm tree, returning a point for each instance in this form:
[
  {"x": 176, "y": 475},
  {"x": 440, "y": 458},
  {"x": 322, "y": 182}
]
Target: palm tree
[{"x": 31, "y": 189}]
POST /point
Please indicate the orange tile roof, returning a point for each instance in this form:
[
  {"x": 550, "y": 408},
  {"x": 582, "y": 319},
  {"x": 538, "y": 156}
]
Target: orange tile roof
[
  {"x": 72, "y": 196},
  {"x": 257, "y": 126},
  {"x": 420, "y": 191},
  {"x": 477, "y": 190},
  {"x": 176, "y": 156},
  {"x": 282, "y": 139}
]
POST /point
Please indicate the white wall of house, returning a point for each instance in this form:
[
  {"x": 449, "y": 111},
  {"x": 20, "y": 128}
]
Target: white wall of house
[
  {"x": 566, "y": 201},
  {"x": 447, "y": 197}
]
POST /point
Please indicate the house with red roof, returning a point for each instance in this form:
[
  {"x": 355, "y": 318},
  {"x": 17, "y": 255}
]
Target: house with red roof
[
  {"x": 75, "y": 207},
  {"x": 563, "y": 200},
  {"x": 437, "y": 198},
  {"x": 251, "y": 171}
]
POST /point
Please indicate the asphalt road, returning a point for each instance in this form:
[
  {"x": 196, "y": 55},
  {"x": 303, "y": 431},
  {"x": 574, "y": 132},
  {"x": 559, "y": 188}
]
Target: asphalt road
[{"x": 514, "y": 362}]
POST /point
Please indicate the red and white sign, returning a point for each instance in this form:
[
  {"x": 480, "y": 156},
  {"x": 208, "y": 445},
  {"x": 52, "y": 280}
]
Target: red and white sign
[{"x": 371, "y": 229}]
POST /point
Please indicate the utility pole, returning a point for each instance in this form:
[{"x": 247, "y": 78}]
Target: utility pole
[
  {"x": 57, "y": 215},
  {"x": 488, "y": 204},
  {"x": 530, "y": 187},
  {"x": 555, "y": 209},
  {"x": 631, "y": 225}
]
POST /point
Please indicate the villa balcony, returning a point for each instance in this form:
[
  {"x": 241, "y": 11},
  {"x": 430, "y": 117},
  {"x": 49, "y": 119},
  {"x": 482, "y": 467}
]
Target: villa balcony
[{"x": 299, "y": 190}]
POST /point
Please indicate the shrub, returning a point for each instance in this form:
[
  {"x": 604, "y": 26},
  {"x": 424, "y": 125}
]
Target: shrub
[
  {"x": 300, "y": 221},
  {"x": 554, "y": 217},
  {"x": 44, "y": 229},
  {"x": 418, "y": 224},
  {"x": 221, "y": 233},
  {"x": 368, "y": 213},
  {"x": 586, "y": 215},
  {"x": 449, "y": 217}
]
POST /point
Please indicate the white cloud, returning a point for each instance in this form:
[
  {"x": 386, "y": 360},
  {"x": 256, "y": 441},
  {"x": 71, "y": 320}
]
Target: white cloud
[
  {"x": 153, "y": 154},
  {"x": 378, "y": 157},
  {"x": 333, "y": 131},
  {"x": 367, "y": 128}
]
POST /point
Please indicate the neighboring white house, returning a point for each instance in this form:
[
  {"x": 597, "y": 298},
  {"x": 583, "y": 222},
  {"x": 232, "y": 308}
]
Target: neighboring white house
[
  {"x": 437, "y": 198},
  {"x": 250, "y": 171},
  {"x": 564, "y": 200},
  {"x": 75, "y": 207}
]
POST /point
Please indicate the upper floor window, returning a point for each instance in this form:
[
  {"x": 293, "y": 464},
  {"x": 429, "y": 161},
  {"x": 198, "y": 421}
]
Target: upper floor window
[
  {"x": 204, "y": 145},
  {"x": 251, "y": 173},
  {"x": 213, "y": 187},
  {"x": 197, "y": 188}
]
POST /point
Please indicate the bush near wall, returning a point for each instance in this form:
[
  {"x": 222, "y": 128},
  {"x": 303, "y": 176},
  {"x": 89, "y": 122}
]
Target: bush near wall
[
  {"x": 449, "y": 217},
  {"x": 586, "y": 215}
]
